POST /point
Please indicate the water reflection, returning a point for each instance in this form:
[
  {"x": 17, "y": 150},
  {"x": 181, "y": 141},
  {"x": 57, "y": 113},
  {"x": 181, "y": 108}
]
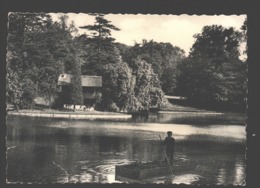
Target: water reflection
[
  {"x": 54, "y": 150},
  {"x": 187, "y": 178},
  {"x": 195, "y": 118},
  {"x": 235, "y": 175}
]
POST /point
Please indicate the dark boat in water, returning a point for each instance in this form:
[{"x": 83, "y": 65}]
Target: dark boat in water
[{"x": 140, "y": 171}]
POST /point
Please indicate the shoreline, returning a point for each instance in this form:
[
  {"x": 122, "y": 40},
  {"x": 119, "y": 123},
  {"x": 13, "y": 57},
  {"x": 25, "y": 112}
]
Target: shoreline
[
  {"x": 191, "y": 112},
  {"x": 92, "y": 115},
  {"x": 71, "y": 115}
]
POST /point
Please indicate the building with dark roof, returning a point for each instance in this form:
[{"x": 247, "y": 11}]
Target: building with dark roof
[{"x": 91, "y": 87}]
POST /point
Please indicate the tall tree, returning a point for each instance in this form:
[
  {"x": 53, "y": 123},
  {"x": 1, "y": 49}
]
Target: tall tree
[
  {"x": 101, "y": 32},
  {"x": 118, "y": 84},
  {"x": 38, "y": 51},
  {"x": 99, "y": 45},
  {"x": 217, "y": 44},
  {"x": 147, "y": 88},
  {"x": 130, "y": 89},
  {"x": 162, "y": 56},
  {"x": 213, "y": 73},
  {"x": 29, "y": 57}
]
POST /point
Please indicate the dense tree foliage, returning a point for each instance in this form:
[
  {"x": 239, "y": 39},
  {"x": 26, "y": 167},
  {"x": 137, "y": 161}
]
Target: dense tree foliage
[
  {"x": 135, "y": 78},
  {"x": 147, "y": 89},
  {"x": 162, "y": 56},
  {"x": 117, "y": 88},
  {"x": 127, "y": 86},
  {"x": 217, "y": 44},
  {"x": 213, "y": 73},
  {"x": 101, "y": 33},
  {"x": 98, "y": 46},
  {"x": 131, "y": 89},
  {"x": 31, "y": 67}
]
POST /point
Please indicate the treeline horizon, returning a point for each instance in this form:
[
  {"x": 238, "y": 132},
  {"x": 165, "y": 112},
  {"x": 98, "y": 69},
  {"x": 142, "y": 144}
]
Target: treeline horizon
[{"x": 135, "y": 78}]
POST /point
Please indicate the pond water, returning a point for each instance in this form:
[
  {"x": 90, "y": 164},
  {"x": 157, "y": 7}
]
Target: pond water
[{"x": 41, "y": 150}]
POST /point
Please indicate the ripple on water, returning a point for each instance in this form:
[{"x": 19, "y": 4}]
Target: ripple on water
[
  {"x": 96, "y": 172},
  {"x": 186, "y": 179}
]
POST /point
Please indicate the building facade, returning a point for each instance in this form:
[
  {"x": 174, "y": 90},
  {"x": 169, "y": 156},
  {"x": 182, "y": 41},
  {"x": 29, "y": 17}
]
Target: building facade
[{"x": 91, "y": 88}]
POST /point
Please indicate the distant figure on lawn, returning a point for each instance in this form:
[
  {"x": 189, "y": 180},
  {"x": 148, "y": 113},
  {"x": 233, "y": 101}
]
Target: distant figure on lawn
[{"x": 169, "y": 146}]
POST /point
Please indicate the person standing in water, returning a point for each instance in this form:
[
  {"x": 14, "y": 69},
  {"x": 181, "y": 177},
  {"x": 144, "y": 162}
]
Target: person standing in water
[{"x": 169, "y": 143}]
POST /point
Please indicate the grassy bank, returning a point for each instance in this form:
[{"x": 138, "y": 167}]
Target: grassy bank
[
  {"x": 188, "y": 107},
  {"x": 70, "y": 114},
  {"x": 180, "y": 108},
  {"x": 52, "y": 111}
]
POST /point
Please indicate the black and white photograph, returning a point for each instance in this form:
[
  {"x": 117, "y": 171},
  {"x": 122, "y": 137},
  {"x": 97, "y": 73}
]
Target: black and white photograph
[{"x": 126, "y": 98}]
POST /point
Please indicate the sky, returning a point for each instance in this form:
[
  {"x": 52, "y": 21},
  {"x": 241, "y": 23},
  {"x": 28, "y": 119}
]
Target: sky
[{"x": 177, "y": 30}]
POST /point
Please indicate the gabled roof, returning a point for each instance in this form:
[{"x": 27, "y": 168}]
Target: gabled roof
[{"x": 86, "y": 81}]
